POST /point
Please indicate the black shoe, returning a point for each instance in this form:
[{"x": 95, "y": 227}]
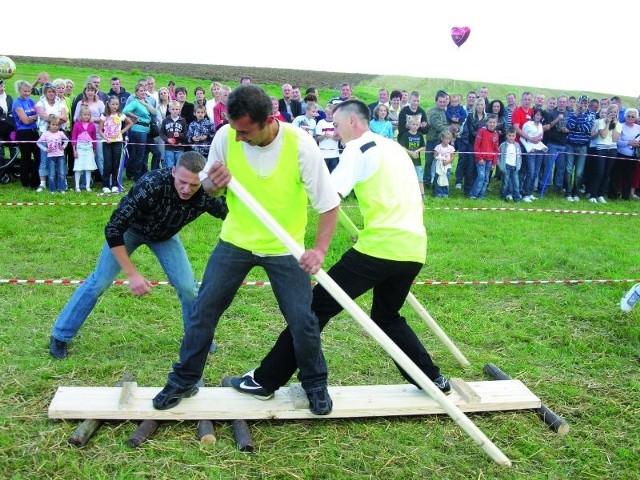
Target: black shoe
[
  {"x": 247, "y": 384},
  {"x": 320, "y": 402},
  {"x": 170, "y": 396},
  {"x": 58, "y": 348},
  {"x": 442, "y": 383}
]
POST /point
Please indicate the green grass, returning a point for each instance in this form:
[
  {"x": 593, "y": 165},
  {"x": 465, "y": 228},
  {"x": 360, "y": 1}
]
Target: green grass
[{"x": 570, "y": 345}]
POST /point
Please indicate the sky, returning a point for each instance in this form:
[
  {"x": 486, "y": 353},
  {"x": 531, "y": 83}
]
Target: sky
[{"x": 548, "y": 43}]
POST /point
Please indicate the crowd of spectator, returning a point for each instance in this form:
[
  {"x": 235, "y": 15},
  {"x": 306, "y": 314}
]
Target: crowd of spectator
[{"x": 570, "y": 146}]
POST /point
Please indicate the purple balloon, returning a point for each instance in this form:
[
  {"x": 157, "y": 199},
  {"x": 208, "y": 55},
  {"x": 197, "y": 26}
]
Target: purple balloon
[{"x": 459, "y": 35}]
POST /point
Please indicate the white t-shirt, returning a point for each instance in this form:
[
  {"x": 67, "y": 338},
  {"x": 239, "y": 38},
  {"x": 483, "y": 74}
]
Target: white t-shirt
[
  {"x": 328, "y": 146},
  {"x": 262, "y": 160},
  {"x": 511, "y": 156}
]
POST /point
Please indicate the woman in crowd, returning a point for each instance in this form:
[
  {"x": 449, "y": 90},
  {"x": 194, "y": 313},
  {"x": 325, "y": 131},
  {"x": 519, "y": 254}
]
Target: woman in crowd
[
  {"x": 48, "y": 105},
  {"x": 607, "y": 133},
  {"x": 475, "y": 121},
  {"x": 90, "y": 99},
  {"x": 380, "y": 123},
  {"x": 141, "y": 114},
  {"x": 216, "y": 91},
  {"x": 628, "y": 144},
  {"x": 26, "y": 117}
]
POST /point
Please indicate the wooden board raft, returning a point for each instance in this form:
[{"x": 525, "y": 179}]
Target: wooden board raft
[{"x": 223, "y": 403}]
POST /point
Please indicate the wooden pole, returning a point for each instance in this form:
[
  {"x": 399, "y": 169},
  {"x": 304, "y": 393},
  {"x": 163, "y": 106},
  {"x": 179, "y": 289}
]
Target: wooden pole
[
  {"x": 206, "y": 433},
  {"x": 88, "y": 427},
  {"x": 412, "y": 300},
  {"x": 372, "y": 329},
  {"x": 241, "y": 432},
  {"x": 548, "y": 416}
]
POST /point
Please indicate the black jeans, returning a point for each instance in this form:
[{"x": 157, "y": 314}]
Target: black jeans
[
  {"x": 29, "y": 157},
  {"x": 357, "y": 273}
]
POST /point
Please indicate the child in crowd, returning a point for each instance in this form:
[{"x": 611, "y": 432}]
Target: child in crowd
[
  {"x": 83, "y": 139},
  {"x": 444, "y": 158},
  {"x": 220, "y": 110},
  {"x": 486, "y": 149},
  {"x": 307, "y": 122},
  {"x": 174, "y": 134},
  {"x": 456, "y": 114},
  {"x": 172, "y": 89},
  {"x": 380, "y": 124},
  {"x": 413, "y": 142},
  {"x": 328, "y": 139},
  {"x": 201, "y": 132},
  {"x": 111, "y": 130},
  {"x": 509, "y": 163},
  {"x": 53, "y": 142}
]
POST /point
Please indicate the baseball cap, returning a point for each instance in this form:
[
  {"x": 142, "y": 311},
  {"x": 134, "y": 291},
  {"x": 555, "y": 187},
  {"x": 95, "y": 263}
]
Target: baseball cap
[{"x": 583, "y": 98}]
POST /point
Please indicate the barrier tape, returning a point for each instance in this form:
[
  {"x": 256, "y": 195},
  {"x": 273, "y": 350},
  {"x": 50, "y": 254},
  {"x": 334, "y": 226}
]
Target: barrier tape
[
  {"x": 479, "y": 209},
  {"x": 32, "y": 281}
]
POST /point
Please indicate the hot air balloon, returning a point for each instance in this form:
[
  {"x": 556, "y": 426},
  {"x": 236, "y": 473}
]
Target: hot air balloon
[{"x": 459, "y": 35}]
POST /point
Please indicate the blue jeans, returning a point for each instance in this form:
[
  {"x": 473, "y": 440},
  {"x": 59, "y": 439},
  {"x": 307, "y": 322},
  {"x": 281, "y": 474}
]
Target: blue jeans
[
  {"x": 171, "y": 157},
  {"x": 357, "y": 273},
  {"x": 429, "y": 164},
  {"x": 482, "y": 179},
  {"x": 556, "y": 180},
  {"x": 57, "y": 173},
  {"x": 510, "y": 183},
  {"x": 43, "y": 169},
  {"x": 170, "y": 254},
  {"x": 136, "y": 164},
  {"x": 226, "y": 270},
  {"x": 533, "y": 163},
  {"x": 575, "y": 158}
]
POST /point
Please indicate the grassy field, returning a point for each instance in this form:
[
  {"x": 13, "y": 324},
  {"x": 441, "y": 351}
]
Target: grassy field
[{"x": 570, "y": 344}]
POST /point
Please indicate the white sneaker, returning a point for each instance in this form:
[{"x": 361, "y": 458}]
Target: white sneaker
[
  {"x": 527, "y": 199},
  {"x": 576, "y": 198},
  {"x": 77, "y": 190},
  {"x": 593, "y": 200},
  {"x": 40, "y": 189},
  {"x": 532, "y": 197},
  {"x": 601, "y": 200},
  {"x": 88, "y": 189},
  {"x": 458, "y": 186},
  {"x": 106, "y": 190},
  {"x": 114, "y": 190},
  {"x": 569, "y": 199},
  {"x": 509, "y": 198}
]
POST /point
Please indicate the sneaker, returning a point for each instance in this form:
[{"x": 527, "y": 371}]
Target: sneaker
[
  {"x": 246, "y": 384},
  {"x": 320, "y": 402},
  {"x": 593, "y": 200},
  {"x": 458, "y": 186},
  {"x": 106, "y": 190},
  {"x": 77, "y": 190},
  {"x": 527, "y": 199},
  {"x": 576, "y": 198},
  {"x": 88, "y": 189},
  {"x": 171, "y": 396},
  {"x": 630, "y": 298},
  {"x": 569, "y": 199},
  {"x": 601, "y": 200},
  {"x": 40, "y": 189},
  {"x": 533, "y": 197},
  {"x": 115, "y": 190},
  {"x": 472, "y": 198},
  {"x": 509, "y": 198},
  {"x": 63, "y": 191},
  {"x": 58, "y": 348},
  {"x": 442, "y": 383}
]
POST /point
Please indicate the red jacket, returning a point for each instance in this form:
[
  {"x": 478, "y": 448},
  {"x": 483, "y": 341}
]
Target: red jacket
[{"x": 487, "y": 146}]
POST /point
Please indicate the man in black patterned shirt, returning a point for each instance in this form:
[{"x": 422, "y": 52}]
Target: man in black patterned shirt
[{"x": 152, "y": 214}]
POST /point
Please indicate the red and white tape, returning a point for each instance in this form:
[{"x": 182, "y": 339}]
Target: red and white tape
[
  {"x": 33, "y": 281},
  {"x": 477, "y": 209}
]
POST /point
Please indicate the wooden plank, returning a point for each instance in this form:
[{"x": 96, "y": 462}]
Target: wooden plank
[{"x": 220, "y": 403}]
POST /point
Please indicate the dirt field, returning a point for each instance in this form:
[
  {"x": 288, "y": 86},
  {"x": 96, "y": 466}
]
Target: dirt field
[{"x": 212, "y": 72}]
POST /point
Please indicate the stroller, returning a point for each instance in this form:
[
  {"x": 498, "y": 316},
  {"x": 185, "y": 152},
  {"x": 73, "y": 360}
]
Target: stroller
[{"x": 9, "y": 167}]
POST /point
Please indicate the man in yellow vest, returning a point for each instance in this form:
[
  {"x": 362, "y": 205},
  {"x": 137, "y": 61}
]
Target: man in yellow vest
[
  {"x": 282, "y": 167},
  {"x": 387, "y": 257}
]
